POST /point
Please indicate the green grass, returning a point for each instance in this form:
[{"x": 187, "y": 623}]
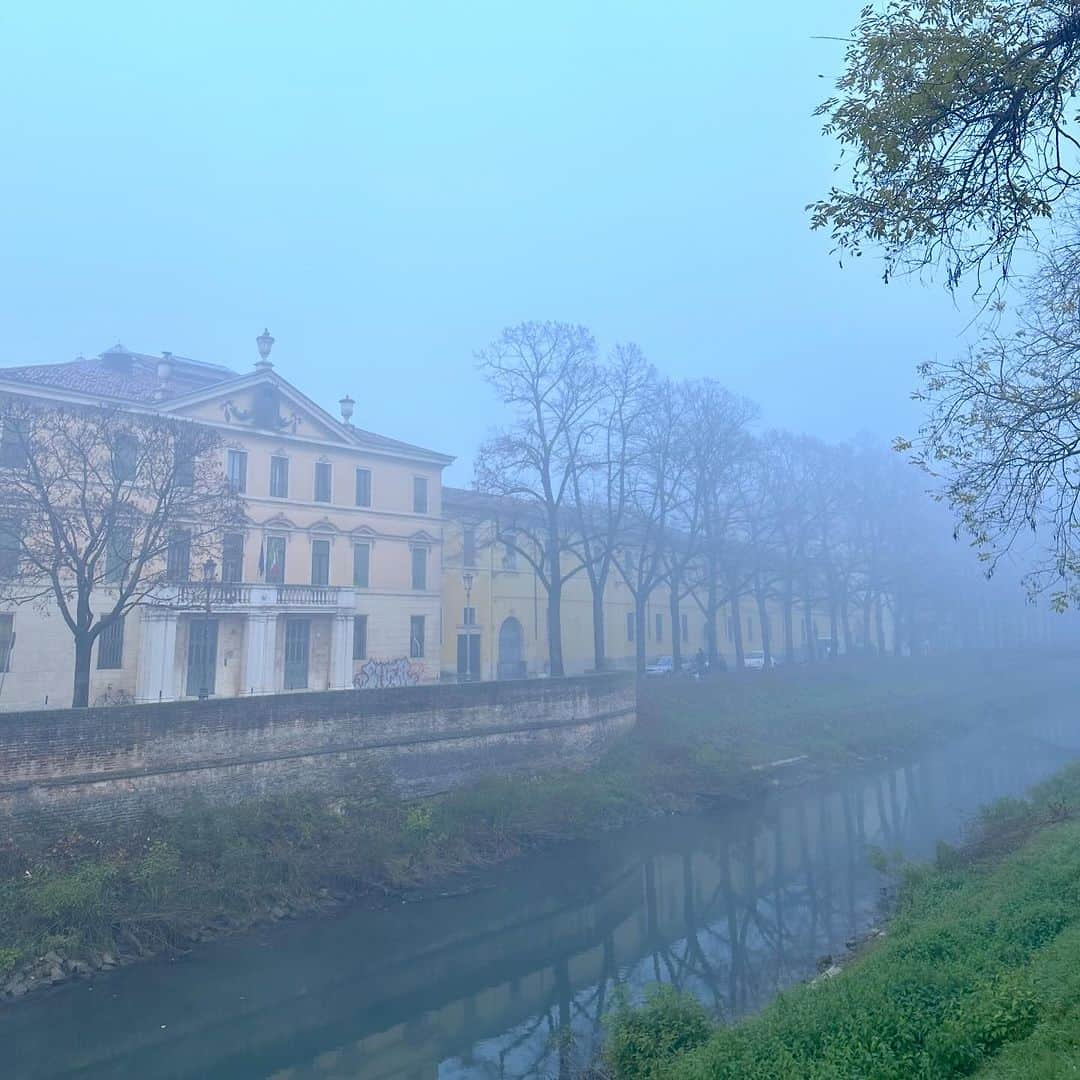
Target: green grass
[
  {"x": 979, "y": 975},
  {"x": 167, "y": 880}
]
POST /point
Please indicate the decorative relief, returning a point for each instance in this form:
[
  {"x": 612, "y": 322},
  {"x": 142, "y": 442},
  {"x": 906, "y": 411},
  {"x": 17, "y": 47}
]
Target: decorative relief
[{"x": 264, "y": 413}]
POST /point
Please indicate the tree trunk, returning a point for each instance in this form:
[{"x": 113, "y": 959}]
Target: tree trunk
[
  {"x": 80, "y": 694},
  {"x": 639, "y": 633},
  {"x": 736, "y": 624},
  {"x": 766, "y": 630},
  {"x": 809, "y": 631},
  {"x": 880, "y": 625},
  {"x": 599, "y": 648},
  {"x": 789, "y": 627},
  {"x": 676, "y": 625},
  {"x": 712, "y": 605},
  {"x": 554, "y": 604},
  {"x": 845, "y": 622}
]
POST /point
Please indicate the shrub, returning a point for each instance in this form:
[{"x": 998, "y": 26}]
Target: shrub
[{"x": 641, "y": 1042}]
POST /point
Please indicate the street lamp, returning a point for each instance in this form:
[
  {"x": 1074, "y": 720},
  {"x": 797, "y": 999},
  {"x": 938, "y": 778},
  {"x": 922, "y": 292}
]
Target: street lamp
[
  {"x": 467, "y": 580},
  {"x": 208, "y": 581}
]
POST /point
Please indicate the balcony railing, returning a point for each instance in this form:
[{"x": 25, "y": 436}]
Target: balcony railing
[
  {"x": 307, "y": 595},
  {"x": 222, "y": 594},
  {"x": 247, "y": 594}
]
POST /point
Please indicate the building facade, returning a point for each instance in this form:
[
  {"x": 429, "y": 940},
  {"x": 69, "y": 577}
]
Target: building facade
[
  {"x": 353, "y": 565},
  {"x": 331, "y": 581}
]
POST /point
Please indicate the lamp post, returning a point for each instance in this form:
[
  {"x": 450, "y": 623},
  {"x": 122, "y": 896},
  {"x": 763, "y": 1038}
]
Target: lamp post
[
  {"x": 208, "y": 581},
  {"x": 467, "y": 581}
]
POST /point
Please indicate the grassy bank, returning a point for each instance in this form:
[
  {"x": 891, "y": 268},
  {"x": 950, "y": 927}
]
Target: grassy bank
[
  {"x": 979, "y": 974},
  {"x": 83, "y": 901}
]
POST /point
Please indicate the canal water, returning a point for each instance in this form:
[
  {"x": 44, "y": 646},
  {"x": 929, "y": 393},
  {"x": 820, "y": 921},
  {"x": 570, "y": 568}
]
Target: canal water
[{"x": 513, "y": 980}]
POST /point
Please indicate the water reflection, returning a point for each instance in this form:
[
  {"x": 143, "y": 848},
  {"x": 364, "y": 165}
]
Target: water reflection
[{"x": 513, "y": 981}]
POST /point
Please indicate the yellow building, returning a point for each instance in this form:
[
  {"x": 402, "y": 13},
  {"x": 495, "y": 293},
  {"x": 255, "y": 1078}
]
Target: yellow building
[
  {"x": 354, "y": 567},
  {"x": 333, "y": 580},
  {"x": 495, "y": 609}
]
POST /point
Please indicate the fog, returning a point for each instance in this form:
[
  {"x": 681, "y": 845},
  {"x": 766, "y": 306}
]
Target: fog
[
  {"x": 628, "y": 591},
  {"x": 386, "y": 187}
]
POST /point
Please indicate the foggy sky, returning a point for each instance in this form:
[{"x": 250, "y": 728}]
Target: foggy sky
[{"x": 386, "y": 185}]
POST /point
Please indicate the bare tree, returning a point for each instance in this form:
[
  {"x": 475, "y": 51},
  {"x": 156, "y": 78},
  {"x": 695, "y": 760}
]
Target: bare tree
[
  {"x": 661, "y": 489},
  {"x": 547, "y": 374},
  {"x": 91, "y": 500},
  {"x": 719, "y": 443},
  {"x": 601, "y": 483}
]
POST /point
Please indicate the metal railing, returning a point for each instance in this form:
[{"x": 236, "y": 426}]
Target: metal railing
[
  {"x": 222, "y": 594},
  {"x": 240, "y": 594}
]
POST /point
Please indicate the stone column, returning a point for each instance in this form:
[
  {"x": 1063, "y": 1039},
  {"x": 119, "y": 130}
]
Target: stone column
[
  {"x": 260, "y": 644},
  {"x": 341, "y": 650},
  {"x": 156, "y": 677}
]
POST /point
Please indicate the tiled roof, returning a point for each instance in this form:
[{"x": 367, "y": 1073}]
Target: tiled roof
[{"x": 119, "y": 374}]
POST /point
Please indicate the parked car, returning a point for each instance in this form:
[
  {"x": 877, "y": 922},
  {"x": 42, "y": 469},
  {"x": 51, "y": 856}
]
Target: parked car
[
  {"x": 664, "y": 667},
  {"x": 755, "y": 660}
]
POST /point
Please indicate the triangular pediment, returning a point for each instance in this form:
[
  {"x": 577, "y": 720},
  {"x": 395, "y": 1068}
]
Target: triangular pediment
[
  {"x": 262, "y": 402},
  {"x": 279, "y": 521}
]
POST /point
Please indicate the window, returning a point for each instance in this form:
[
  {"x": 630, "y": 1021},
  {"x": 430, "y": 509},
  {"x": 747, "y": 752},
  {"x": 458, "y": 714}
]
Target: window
[
  {"x": 416, "y": 636},
  {"x": 10, "y": 545},
  {"x": 419, "y": 567},
  {"x": 184, "y": 470},
  {"x": 125, "y": 457},
  {"x": 322, "y": 481},
  {"x": 320, "y": 562},
  {"x": 359, "y": 637},
  {"x": 363, "y": 487},
  {"x": 279, "y": 477},
  {"x": 750, "y": 628},
  {"x": 468, "y": 546},
  {"x": 236, "y": 469},
  {"x": 118, "y": 554},
  {"x": 629, "y": 626},
  {"x": 469, "y": 616},
  {"x": 659, "y": 627},
  {"x": 178, "y": 556},
  {"x": 275, "y": 560},
  {"x": 419, "y": 495},
  {"x": 13, "y": 453},
  {"x": 7, "y": 640},
  {"x": 110, "y": 650},
  {"x": 685, "y": 626},
  {"x": 232, "y": 557},
  {"x": 361, "y": 565}
]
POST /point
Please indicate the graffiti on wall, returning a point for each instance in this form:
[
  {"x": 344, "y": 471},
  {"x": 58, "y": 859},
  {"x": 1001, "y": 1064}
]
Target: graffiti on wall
[{"x": 380, "y": 674}]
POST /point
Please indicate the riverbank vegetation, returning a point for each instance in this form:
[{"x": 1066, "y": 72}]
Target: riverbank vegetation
[
  {"x": 979, "y": 974},
  {"x": 71, "y": 903}
]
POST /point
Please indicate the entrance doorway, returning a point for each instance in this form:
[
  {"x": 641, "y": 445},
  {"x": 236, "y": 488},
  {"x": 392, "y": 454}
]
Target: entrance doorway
[
  {"x": 511, "y": 650},
  {"x": 297, "y": 651},
  {"x": 201, "y": 656},
  {"x": 468, "y": 657}
]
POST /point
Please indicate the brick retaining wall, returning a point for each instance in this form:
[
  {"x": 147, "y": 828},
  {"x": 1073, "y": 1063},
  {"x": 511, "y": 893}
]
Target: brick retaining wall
[{"x": 109, "y": 764}]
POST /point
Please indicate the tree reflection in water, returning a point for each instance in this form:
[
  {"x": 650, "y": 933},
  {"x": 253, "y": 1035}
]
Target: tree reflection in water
[{"x": 754, "y": 904}]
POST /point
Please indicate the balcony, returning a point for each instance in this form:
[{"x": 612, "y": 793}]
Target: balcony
[
  {"x": 307, "y": 595},
  {"x": 225, "y": 596}
]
